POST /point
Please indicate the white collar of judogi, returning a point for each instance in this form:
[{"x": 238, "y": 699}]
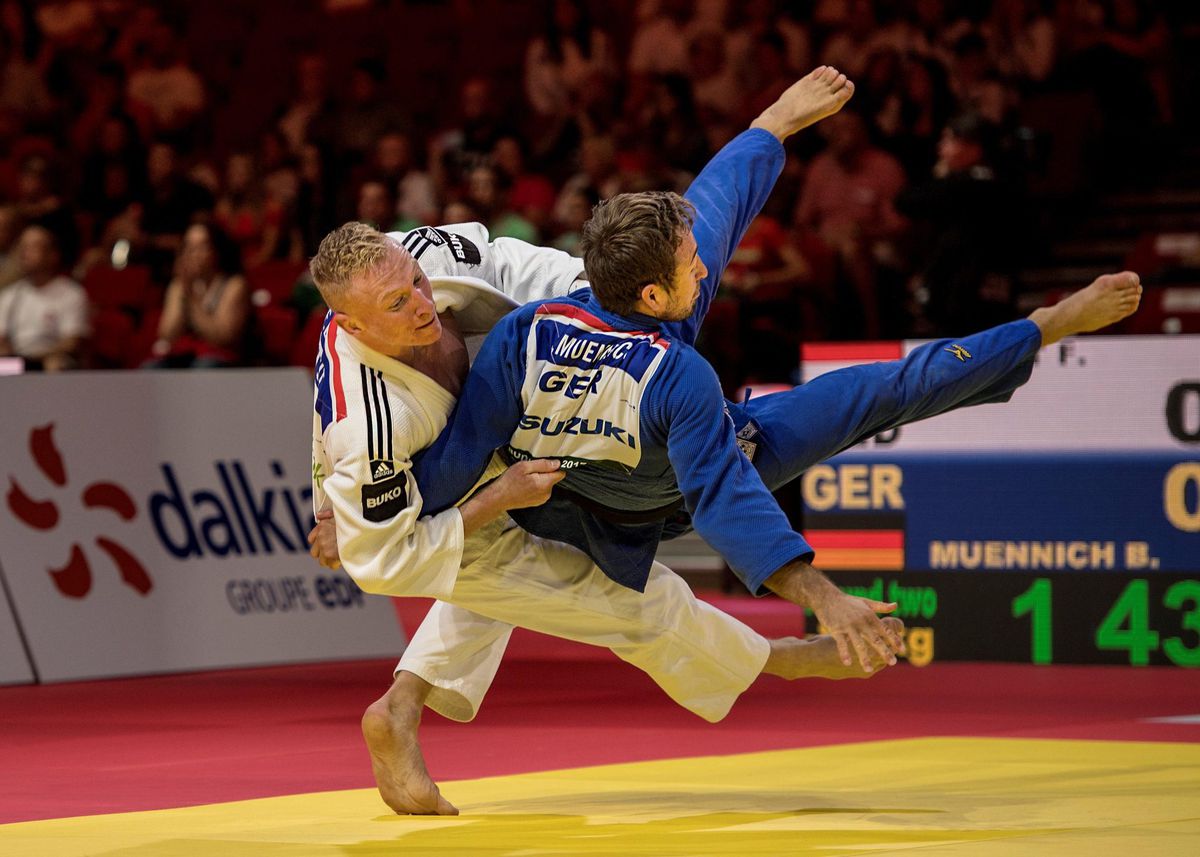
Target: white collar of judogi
[{"x": 476, "y": 304}]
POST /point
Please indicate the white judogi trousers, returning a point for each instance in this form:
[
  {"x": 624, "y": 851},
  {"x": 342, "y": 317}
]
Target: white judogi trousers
[{"x": 703, "y": 658}]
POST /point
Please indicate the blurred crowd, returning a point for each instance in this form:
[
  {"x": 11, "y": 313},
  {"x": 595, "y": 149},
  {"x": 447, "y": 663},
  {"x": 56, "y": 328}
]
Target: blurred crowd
[{"x": 164, "y": 182}]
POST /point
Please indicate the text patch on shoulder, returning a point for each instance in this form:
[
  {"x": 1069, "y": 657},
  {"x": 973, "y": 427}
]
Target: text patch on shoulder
[
  {"x": 382, "y": 501},
  {"x": 423, "y": 237}
]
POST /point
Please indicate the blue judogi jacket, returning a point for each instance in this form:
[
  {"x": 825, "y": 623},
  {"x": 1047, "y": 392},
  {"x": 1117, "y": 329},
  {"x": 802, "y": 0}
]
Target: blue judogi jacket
[{"x": 631, "y": 408}]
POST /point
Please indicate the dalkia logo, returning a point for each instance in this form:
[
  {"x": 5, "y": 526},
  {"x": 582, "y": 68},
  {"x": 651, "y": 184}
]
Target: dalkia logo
[
  {"x": 228, "y": 517},
  {"x": 236, "y": 519},
  {"x": 75, "y": 578}
]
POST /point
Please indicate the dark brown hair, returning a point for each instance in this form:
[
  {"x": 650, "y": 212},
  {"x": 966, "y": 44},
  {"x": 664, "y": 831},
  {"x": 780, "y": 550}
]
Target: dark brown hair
[{"x": 630, "y": 242}]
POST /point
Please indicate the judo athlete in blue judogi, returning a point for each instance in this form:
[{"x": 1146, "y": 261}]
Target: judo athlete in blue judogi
[{"x": 607, "y": 381}]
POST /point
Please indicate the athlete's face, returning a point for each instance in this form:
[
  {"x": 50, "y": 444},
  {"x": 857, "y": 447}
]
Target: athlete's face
[
  {"x": 390, "y": 308},
  {"x": 689, "y": 271}
]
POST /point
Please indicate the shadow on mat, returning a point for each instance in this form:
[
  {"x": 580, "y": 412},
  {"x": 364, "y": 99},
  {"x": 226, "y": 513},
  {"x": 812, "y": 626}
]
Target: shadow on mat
[
  {"x": 734, "y": 833},
  {"x": 693, "y": 802},
  {"x": 794, "y": 832}
]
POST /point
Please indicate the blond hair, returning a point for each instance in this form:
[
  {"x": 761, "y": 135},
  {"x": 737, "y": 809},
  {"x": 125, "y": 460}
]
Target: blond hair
[{"x": 350, "y": 249}]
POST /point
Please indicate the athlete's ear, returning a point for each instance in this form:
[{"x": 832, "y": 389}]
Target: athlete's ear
[
  {"x": 654, "y": 297},
  {"x": 346, "y": 323}
]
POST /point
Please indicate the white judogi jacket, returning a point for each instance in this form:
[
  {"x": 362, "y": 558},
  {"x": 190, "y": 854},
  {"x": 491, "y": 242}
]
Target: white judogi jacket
[
  {"x": 369, "y": 405},
  {"x": 373, "y": 413}
]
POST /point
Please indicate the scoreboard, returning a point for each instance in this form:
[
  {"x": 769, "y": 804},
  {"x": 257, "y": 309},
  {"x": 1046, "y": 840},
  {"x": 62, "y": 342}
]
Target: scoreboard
[
  {"x": 1060, "y": 527},
  {"x": 1053, "y": 617}
]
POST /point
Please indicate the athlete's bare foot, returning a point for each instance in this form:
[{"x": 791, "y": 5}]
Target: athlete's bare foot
[
  {"x": 817, "y": 657},
  {"x": 389, "y": 726},
  {"x": 820, "y": 93},
  {"x": 1106, "y": 301}
]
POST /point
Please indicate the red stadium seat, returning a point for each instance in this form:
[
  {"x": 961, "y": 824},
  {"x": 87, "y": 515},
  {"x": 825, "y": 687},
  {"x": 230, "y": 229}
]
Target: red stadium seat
[
  {"x": 112, "y": 339},
  {"x": 272, "y": 282},
  {"x": 819, "y": 294},
  {"x": 304, "y": 351},
  {"x": 143, "y": 339},
  {"x": 109, "y": 288},
  {"x": 275, "y": 334}
]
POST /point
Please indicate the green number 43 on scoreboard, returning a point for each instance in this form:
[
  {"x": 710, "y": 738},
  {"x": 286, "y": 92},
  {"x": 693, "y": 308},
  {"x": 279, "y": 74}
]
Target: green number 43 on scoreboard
[{"x": 1126, "y": 625}]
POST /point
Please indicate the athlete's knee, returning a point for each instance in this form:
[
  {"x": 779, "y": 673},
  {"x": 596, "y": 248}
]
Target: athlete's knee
[{"x": 667, "y": 599}]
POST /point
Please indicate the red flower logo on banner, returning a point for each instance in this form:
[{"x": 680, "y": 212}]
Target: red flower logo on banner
[{"x": 75, "y": 578}]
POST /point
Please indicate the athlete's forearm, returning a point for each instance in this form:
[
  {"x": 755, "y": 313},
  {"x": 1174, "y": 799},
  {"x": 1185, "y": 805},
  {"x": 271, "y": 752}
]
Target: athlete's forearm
[
  {"x": 526, "y": 483},
  {"x": 486, "y": 415},
  {"x": 481, "y": 510},
  {"x": 800, "y": 583}
]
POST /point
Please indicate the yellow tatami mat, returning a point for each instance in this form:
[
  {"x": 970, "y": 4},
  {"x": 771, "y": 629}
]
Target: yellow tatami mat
[{"x": 934, "y": 796}]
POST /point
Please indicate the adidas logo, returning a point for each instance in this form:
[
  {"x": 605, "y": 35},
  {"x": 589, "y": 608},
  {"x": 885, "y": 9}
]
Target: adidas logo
[{"x": 382, "y": 470}]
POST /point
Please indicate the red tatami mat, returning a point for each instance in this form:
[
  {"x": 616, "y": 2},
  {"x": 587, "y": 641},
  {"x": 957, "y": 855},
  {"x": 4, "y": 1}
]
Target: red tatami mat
[{"x": 110, "y": 746}]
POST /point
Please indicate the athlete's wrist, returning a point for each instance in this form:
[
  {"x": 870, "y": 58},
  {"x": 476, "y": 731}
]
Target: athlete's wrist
[
  {"x": 481, "y": 509},
  {"x": 800, "y": 583}
]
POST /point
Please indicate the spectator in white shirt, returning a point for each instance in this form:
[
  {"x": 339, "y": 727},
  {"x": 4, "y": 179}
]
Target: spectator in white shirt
[{"x": 43, "y": 315}]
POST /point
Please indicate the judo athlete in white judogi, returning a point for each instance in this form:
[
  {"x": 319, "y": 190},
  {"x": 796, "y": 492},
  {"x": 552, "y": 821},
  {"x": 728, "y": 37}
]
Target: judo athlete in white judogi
[
  {"x": 702, "y": 658},
  {"x": 374, "y": 412},
  {"x": 392, "y": 358}
]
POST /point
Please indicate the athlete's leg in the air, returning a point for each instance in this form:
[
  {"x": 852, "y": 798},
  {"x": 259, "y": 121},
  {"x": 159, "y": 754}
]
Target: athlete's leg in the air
[{"x": 801, "y": 427}]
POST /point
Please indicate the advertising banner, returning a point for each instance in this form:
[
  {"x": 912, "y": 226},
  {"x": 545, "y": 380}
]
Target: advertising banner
[
  {"x": 156, "y": 522},
  {"x": 14, "y": 664}
]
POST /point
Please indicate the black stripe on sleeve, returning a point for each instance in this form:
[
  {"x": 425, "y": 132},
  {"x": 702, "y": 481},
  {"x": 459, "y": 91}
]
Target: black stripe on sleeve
[
  {"x": 378, "y": 416},
  {"x": 387, "y": 414},
  {"x": 362, "y": 369}
]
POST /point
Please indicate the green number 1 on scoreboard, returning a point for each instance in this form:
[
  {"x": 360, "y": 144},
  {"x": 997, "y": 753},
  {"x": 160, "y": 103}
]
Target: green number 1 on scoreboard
[{"x": 1036, "y": 601}]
